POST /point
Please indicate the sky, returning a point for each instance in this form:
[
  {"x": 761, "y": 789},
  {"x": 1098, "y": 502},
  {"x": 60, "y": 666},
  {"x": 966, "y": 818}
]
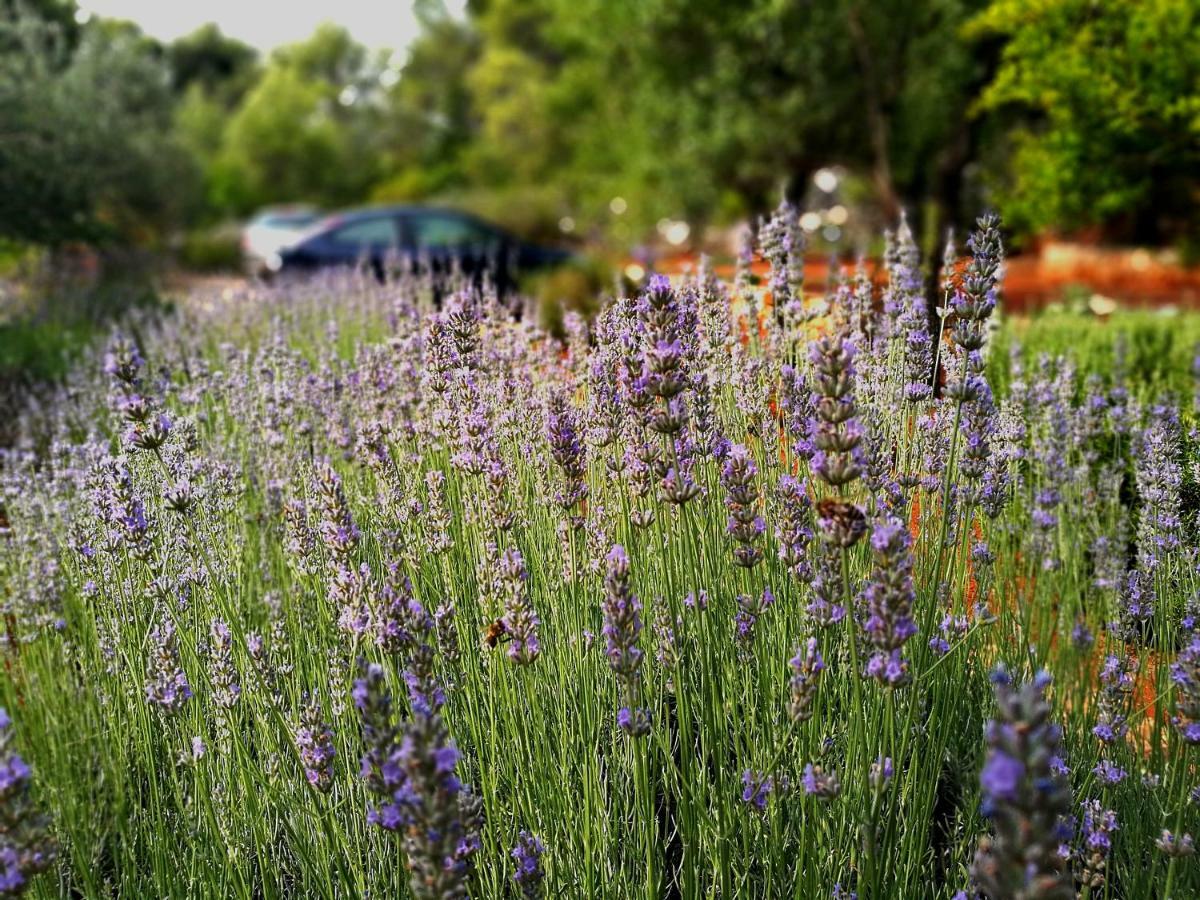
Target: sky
[{"x": 269, "y": 23}]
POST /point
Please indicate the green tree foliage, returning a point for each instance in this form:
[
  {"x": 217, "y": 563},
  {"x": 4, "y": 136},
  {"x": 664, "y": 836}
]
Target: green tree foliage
[
  {"x": 1106, "y": 102},
  {"x": 222, "y": 67},
  {"x": 86, "y": 147},
  {"x": 1065, "y": 114},
  {"x": 280, "y": 143},
  {"x": 429, "y": 118},
  {"x": 705, "y": 109},
  {"x": 308, "y": 130}
]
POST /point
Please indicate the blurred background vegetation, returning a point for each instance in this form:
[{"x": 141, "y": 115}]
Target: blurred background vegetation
[
  {"x": 600, "y": 119},
  {"x": 612, "y": 124}
]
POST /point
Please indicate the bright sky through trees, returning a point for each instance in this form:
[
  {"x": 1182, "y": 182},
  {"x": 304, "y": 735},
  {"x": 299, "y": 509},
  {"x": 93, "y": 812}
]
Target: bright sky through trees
[{"x": 269, "y": 23}]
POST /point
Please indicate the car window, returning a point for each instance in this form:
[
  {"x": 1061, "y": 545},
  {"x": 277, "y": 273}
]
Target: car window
[
  {"x": 449, "y": 231},
  {"x": 293, "y": 220},
  {"x": 376, "y": 232}
]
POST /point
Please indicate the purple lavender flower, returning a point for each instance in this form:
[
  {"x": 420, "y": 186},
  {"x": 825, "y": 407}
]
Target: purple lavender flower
[
  {"x": 337, "y": 528},
  {"x": 667, "y": 646},
  {"x": 975, "y": 299},
  {"x": 782, "y": 244},
  {"x": 881, "y": 772},
  {"x": 819, "y": 783},
  {"x": 166, "y": 684},
  {"x": 905, "y": 299},
  {"x": 950, "y": 629},
  {"x": 180, "y": 496},
  {"x": 1185, "y": 675},
  {"x": 566, "y": 447},
  {"x": 807, "y": 666},
  {"x": 123, "y": 362},
  {"x": 412, "y": 770},
  {"x": 1098, "y": 827},
  {"x": 1023, "y": 798},
  {"x": 889, "y": 597},
  {"x": 679, "y": 484},
  {"x": 1116, "y": 687},
  {"x": 1176, "y": 847},
  {"x": 622, "y": 627},
  {"x": 226, "y": 689},
  {"x": 1109, "y": 773},
  {"x": 26, "y": 846},
  {"x": 349, "y": 594},
  {"x": 446, "y": 632},
  {"x": 1136, "y": 603},
  {"x": 797, "y": 407},
  {"x": 528, "y": 874},
  {"x": 835, "y": 432},
  {"x": 756, "y": 788},
  {"x": 794, "y": 529},
  {"x": 314, "y": 744},
  {"x": 395, "y": 618},
  {"x": 301, "y": 544},
  {"x": 520, "y": 620},
  {"x": 745, "y": 525},
  {"x": 826, "y": 607},
  {"x": 1159, "y": 477},
  {"x": 750, "y": 609}
]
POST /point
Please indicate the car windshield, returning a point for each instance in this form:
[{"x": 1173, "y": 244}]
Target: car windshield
[{"x": 287, "y": 220}]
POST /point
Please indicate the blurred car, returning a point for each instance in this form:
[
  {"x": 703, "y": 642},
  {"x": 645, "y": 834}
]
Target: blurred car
[
  {"x": 386, "y": 238},
  {"x": 271, "y": 230}
]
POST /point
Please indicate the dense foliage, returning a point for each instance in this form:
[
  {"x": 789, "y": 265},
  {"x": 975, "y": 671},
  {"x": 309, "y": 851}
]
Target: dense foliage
[
  {"x": 1115, "y": 92},
  {"x": 743, "y": 591},
  {"x": 611, "y": 117},
  {"x": 86, "y": 146}
]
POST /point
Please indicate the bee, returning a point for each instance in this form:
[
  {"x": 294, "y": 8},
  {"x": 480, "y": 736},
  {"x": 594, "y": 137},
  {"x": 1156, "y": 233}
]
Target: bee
[
  {"x": 496, "y": 633},
  {"x": 843, "y": 515}
]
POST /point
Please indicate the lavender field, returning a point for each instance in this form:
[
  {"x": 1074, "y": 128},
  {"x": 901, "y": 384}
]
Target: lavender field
[{"x": 739, "y": 590}]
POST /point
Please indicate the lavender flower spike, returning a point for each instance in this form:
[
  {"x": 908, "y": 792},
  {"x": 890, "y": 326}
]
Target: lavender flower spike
[
  {"x": 520, "y": 620},
  {"x": 745, "y": 526},
  {"x": 1024, "y": 797},
  {"x": 622, "y": 627},
  {"x": 1098, "y": 827},
  {"x": 314, "y": 743},
  {"x": 26, "y": 847},
  {"x": 166, "y": 684},
  {"x": 807, "y": 666},
  {"x": 413, "y": 771},
  {"x": 565, "y": 435},
  {"x": 889, "y": 599},
  {"x": 1185, "y": 674},
  {"x": 835, "y": 431},
  {"x": 527, "y": 856}
]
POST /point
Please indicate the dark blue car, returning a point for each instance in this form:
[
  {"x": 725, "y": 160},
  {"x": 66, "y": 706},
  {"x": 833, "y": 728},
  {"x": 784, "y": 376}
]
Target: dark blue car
[{"x": 383, "y": 238}]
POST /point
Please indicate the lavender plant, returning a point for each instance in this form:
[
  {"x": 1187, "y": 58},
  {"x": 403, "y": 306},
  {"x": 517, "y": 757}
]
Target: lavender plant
[{"x": 708, "y": 614}]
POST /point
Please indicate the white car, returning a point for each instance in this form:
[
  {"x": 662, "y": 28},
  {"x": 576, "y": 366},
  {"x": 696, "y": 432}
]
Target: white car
[{"x": 272, "y": 230}]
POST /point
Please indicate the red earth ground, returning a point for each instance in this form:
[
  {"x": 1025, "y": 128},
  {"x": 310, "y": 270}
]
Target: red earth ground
[{"x": 1132, "y": 277}]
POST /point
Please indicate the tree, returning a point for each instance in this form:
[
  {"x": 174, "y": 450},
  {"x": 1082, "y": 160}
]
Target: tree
[
  {"x": 429, "y": 121},
  {"x": 222, "y": 67},
  {"x": 281, "y": 143},
  {"x": 704, "y": 108},
  {"x": 1105, "y": 101},
  {"x": 86, "y": 149}
]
